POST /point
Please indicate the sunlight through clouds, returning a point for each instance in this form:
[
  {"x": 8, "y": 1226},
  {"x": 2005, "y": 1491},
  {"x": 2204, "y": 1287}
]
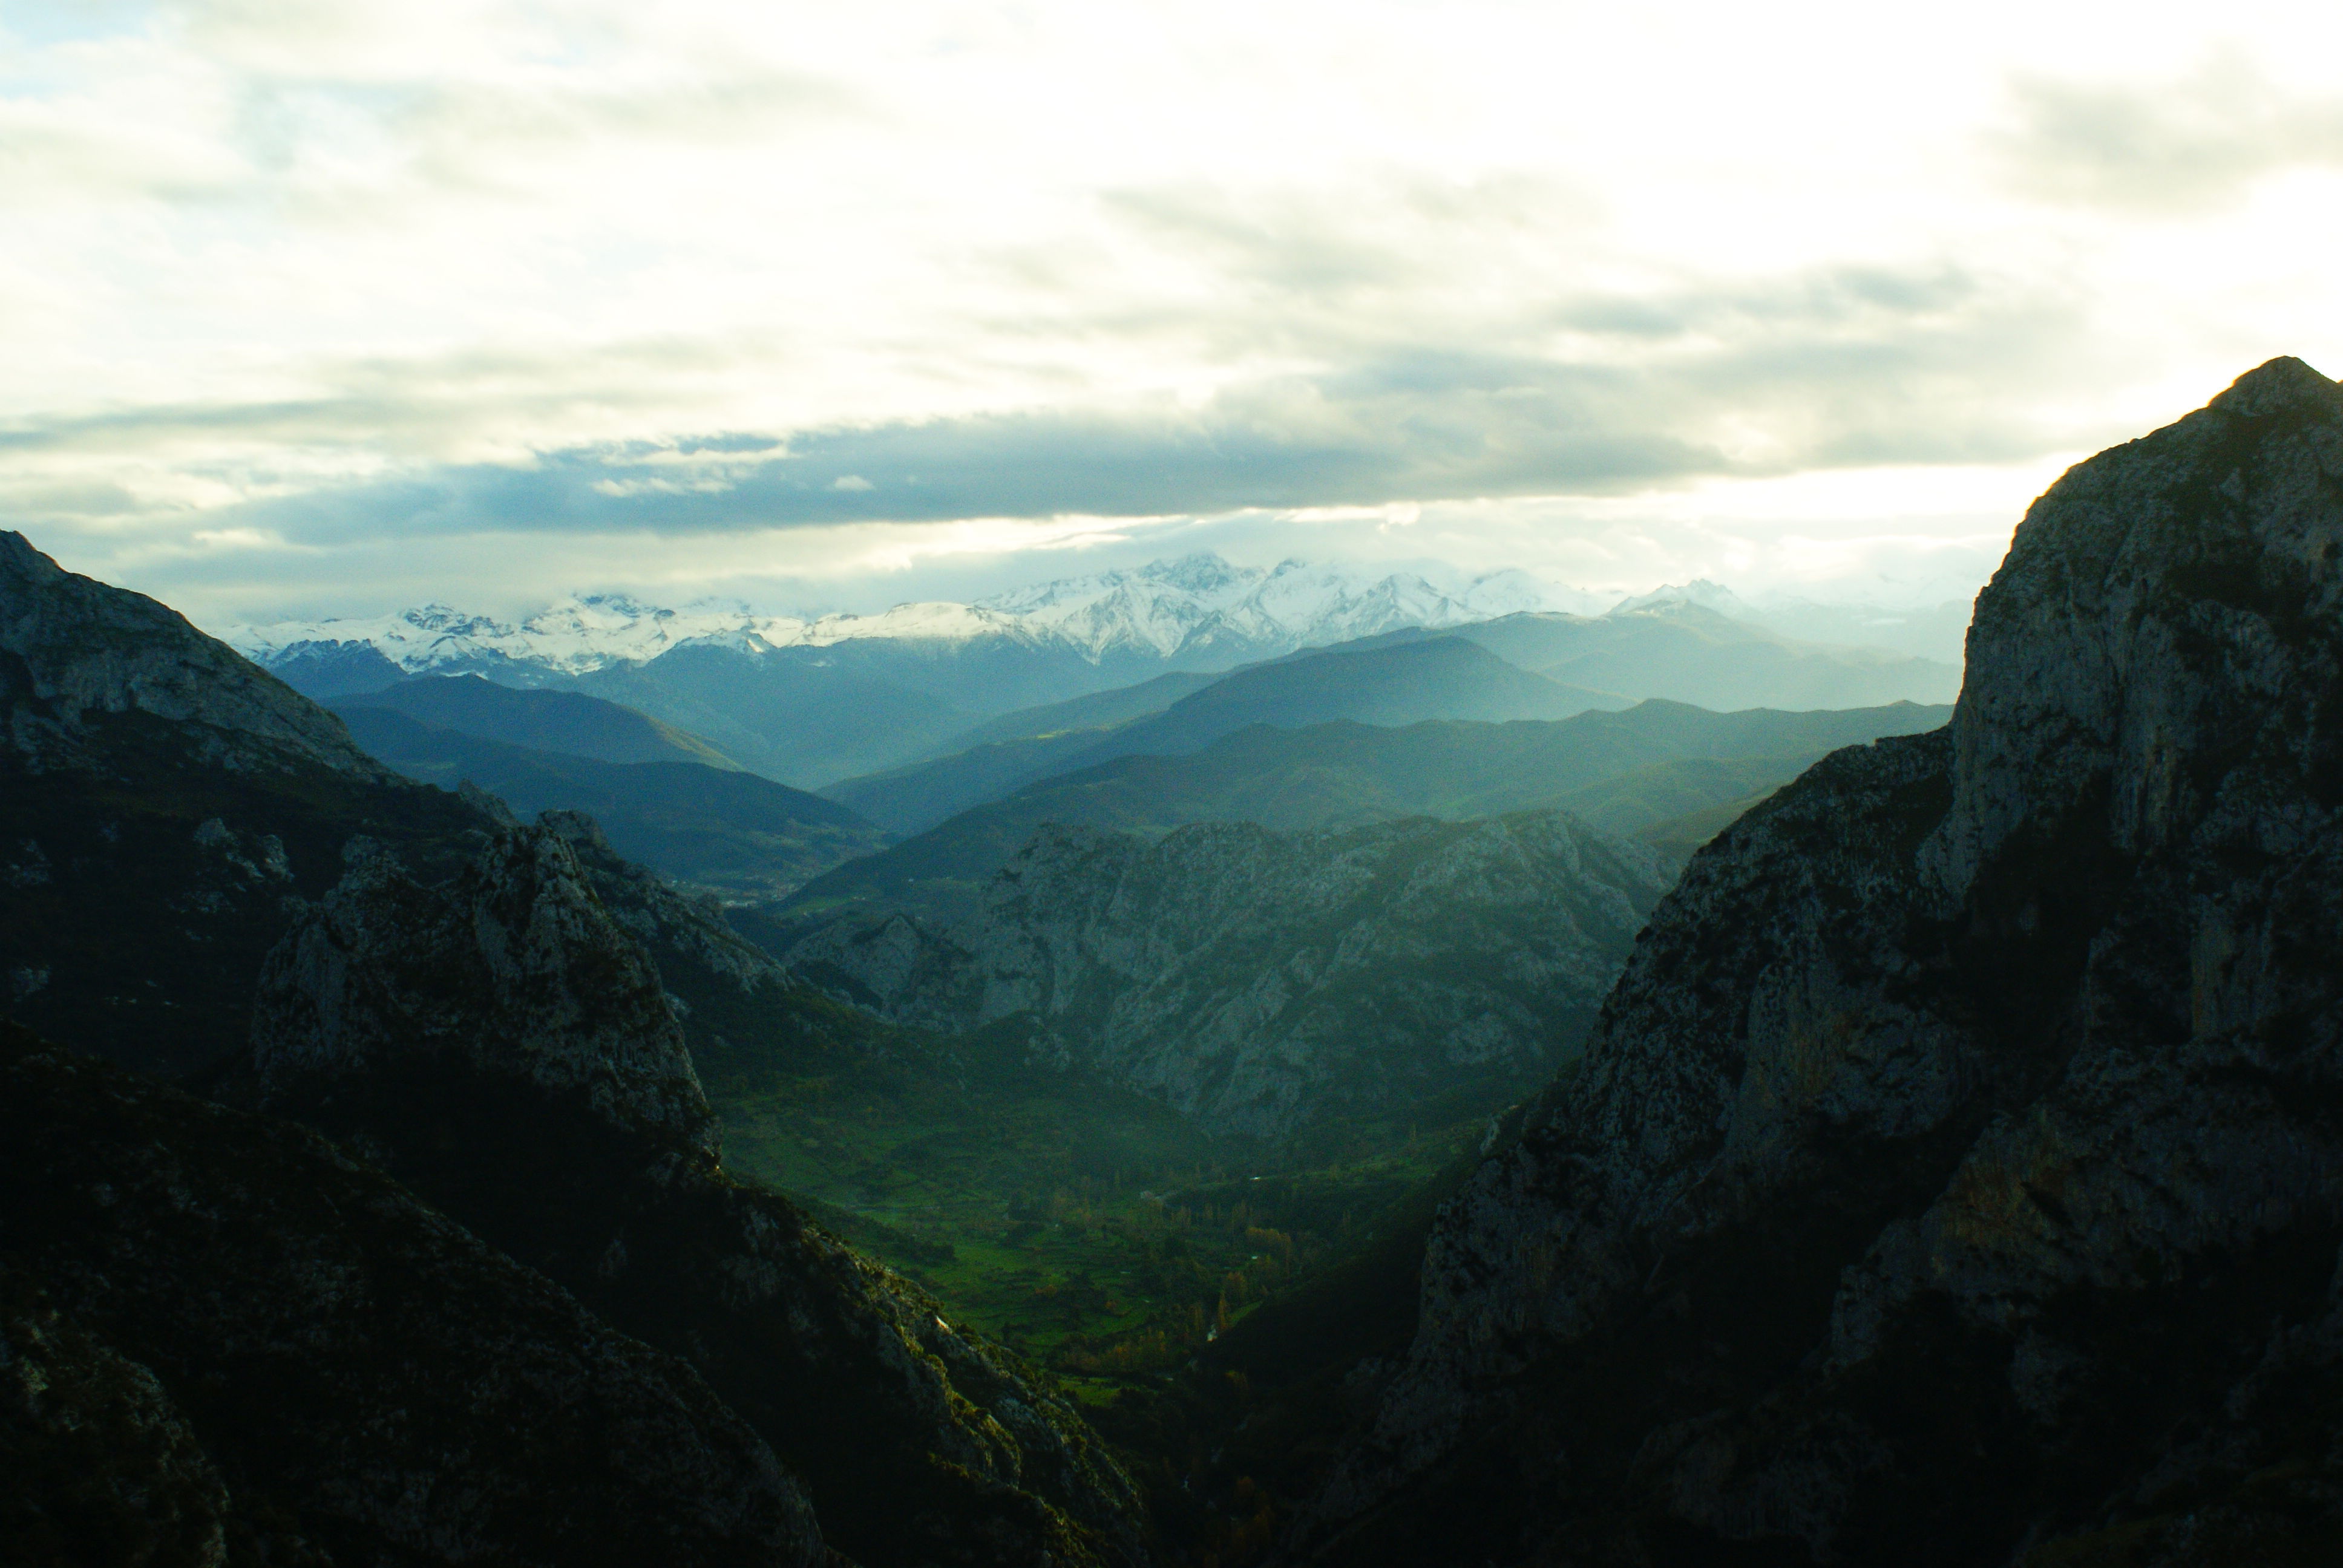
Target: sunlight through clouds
[{"x": 452, "y": 280}]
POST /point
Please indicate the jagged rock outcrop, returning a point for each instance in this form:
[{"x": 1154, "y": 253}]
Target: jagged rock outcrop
[
  {"x": 226, "y": 1342},
  {"x": 503, "y": 1016},
  {"x": 72, "y": 647},
  {"x": 1957, "y": 1169},
  {"x": 499, "y": 1044},
  {"x": 1257, "y": 980},
  {"x": 513, "y": 971},
  {"x": 164, "y": 808}
]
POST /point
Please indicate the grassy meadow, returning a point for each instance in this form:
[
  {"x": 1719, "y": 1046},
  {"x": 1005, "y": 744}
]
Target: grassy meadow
[{"x": 1093, "y": 1231}]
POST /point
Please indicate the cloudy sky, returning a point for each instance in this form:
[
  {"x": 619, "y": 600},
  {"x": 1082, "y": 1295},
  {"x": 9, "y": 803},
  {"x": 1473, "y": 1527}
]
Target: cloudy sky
[{"x": 330, "y": 307}]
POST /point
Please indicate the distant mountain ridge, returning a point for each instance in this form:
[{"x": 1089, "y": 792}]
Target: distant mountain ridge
[
  {"x": 1199, "y": 610},
  {"x": 1346, "y": 774},
  {"x": 568, "y": 722},
  {"x": 726, "y": 831},
  {"x": 1409, "y": 682},
  {"x": 814, "y": 702}
]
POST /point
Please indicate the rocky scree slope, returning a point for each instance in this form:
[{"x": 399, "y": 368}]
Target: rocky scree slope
[
  {"x": 504, "y": 1048},
  {"x": 1957, "y": 1170},
  {"x": 1257, "y": 981}
]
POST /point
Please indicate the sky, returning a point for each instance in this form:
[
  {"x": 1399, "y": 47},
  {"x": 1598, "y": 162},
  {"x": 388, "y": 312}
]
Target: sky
[{"x": 328, "y": 308}]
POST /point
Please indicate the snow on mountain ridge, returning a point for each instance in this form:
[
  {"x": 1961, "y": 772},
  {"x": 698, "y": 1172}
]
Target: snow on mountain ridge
[{"x": 1195, "y": 602}]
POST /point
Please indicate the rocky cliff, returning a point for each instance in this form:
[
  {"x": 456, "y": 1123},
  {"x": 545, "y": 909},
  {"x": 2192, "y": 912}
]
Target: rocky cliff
[
  {"x": 502, "y": 1045},
  {"x": 1258, "y": 980},
  {"x": 503, "y": 1017},
  {"x": 1955, "y": 1172},
  {"x": 74, "y": 651}
]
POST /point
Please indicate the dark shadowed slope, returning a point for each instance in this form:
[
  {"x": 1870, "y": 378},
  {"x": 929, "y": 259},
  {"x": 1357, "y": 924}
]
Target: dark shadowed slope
[
  {"x": 569, "y": 722},
  {"x": 230, "y": 1341},
  {"x": 733, "y": 832},
  {"x": 506, "y": 1016},
  {"x": 1955, "y": 1176}
]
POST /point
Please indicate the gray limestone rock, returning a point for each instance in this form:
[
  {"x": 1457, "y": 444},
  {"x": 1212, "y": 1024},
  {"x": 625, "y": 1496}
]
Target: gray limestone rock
[
  {"x": 1953, "y": 1090},
  {"x": 1256, "y": 980},
  {"x": 516, "y": 970},
  {"x": 71, "y": 648}
]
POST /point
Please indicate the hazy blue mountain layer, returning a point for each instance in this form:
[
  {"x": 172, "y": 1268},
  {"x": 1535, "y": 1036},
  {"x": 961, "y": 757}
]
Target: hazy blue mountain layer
[
  {"x": 1687, "y": 653},
  {"x": 569, "y": 722},
  {"x": 801, "y": 721},
  {"x": 1404, "y": 683},
  {"x": 1341, "y": 775},
  {"x": 1954, "y": 1176},
  {"x": 1097, "y": 710},
  {"x": 732, "y": 832}
]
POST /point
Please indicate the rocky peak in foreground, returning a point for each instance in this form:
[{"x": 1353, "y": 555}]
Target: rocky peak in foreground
[
  {"x": 516, "y": 1310},
  {"x": 514, "y": 971},
  {"x": 72, "y": 647},
  {"x": 1957, "y": 1172},
  {"x": 503, "y": 1047},
  {"x": 1258, "y": 980}
]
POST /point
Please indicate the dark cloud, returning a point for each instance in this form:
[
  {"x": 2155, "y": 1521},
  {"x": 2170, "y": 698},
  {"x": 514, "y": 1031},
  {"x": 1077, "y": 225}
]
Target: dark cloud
[
  {"x": 2168, "y": 146},
  {"x": 1844, "y": 366},
  {"x": 1420, "y": 426}
]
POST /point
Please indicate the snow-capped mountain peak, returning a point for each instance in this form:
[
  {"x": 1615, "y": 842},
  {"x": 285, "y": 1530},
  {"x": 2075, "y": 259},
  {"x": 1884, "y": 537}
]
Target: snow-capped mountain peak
[
  {"x": 1200, "y": 610},
  {"x": 1700, "y": 592}
]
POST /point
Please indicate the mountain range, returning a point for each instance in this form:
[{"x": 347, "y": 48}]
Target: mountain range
[
  {"x": 520, "y": 1259},
  {"x": 1405, "y": 682},
  {"x": 1197, "y": 612},
  {"x": 811, "y": 702},
  {"x": 1628, "y": 771},
  {"x": 1951, "y": 1175}
]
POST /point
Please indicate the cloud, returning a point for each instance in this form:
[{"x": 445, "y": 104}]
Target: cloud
[
  {"x": 1820, "y": 368},
  {"x": 1836, "y": 385},
  {"x": 2174, "y": 146},
  {"x": 344, "y": 284}
]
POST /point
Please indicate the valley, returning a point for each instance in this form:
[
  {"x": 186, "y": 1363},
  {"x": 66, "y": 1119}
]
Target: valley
[{"x": 1197, "y": 1066}]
